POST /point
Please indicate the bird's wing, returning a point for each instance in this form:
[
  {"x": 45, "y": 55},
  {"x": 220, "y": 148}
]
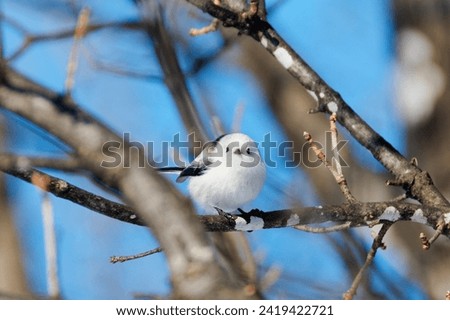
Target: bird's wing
[
  {"x": 201, "y": 163},
  {"x": 194, "y": 169}
]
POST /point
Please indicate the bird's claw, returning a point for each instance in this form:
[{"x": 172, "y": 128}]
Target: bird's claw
[
  {"x": 251, "y": 212},
  {"x": 241, "y": 211}
]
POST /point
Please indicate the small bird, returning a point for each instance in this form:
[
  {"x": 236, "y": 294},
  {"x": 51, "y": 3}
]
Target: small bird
[{"x": 227, "y": 174}]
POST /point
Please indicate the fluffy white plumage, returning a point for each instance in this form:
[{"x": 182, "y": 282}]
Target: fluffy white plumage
[{"x": 228, "y": 173}]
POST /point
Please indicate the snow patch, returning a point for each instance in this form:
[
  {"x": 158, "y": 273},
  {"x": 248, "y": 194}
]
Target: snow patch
[
  {"x": 264, "y": 42},
  {"x": 419, "y": 217},
  {"x": 313, "y": 94},
  {"x": 293, "y": 220},
  {"x": 332, "y": 106},
  {"x": 447, "y": 218},
  {"x": 254, "y": 224},
  {"x": 390, "y": 214},
  {"x": 283, "y": 57}
]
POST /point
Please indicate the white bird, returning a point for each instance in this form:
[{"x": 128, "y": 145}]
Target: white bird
[{"x": 227, "y": 174}]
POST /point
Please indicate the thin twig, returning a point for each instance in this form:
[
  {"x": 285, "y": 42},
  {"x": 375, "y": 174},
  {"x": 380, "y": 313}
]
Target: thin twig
[
  {"x": 14, "y": 162},
  {"x": 342, "y": 182},
  {"x": 252, "y": 10},
  {"x": 118, "y": 70},
  {"x": 213, "y": 26},
  {"x": 115, "y": 259},
  {"x": 269, "y": 278},
  {"x": 30, "y": 39},
  {"x": 339, "y": 177},
  {"x": 262, "y": 12},
  {"x": 80, "y": 32},
  {"x": 236, "y": 124},
  {"x": 400, "y": 198},
  {"x": 50, "y": 244},
  {"x": 377, "y": 243},
  {"x": 426, "y": 244},
  {"x": 334, "y": 143}
]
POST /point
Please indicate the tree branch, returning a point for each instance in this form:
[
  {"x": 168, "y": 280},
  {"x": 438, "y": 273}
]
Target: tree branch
[
  {"x": 8, "y": 161},
  {"x": 355, "y": 214},
  {"x": 377, "y": 243},
  {"x": 410, "y": 177},
  {"x": 64, "y": 190},
  {"x": 173, "y": 74},
  {"x": 30, "y": 38}
]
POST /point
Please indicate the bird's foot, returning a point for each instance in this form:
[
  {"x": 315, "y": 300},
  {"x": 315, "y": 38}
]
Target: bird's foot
[{"x": 251, "y": 212}]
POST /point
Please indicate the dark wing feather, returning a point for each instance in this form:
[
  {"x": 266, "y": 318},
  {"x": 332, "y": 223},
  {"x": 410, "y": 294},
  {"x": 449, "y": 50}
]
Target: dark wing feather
[
  {"x": 195, "y": 169},
  {"x": 198, "y": 168}
]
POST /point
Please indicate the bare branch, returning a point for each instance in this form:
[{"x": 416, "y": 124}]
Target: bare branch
[
  {"x": 30, "y": 38},
  {"x": 64, "y": 190},
  {"x": 377, "y": 243},
  {"x": 121, "y": 71},
  {"x": 335, "y": 228},
  {"x": 80, "y": 32},
  {"x": 441, "y": 225},
  {"x": 11, "y": 161},
  {"x": 115, "y": 259},
  {"x": 213, "y": 26},
  {"x": 173, "y": 74},
  {"x": 355, "y": 214},
  {"x": 50, "y": 247},
  {"x": 252, "y": 10},
  {"x": 337, "y": 174}
]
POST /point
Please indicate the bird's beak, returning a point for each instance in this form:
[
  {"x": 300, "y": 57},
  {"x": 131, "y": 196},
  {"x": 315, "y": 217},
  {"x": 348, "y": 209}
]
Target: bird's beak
[{"x": 237, "y": 151}]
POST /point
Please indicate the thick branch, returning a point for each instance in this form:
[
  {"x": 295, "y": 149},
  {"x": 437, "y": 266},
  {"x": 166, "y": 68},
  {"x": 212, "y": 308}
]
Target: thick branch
[
  {"x": 355, "y": 214},
  {"x": 64, "y": 190}
]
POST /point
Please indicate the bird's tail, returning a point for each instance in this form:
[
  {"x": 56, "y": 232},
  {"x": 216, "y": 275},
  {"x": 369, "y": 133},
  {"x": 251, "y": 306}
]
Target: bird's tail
[{"x": 170, "y": 169}]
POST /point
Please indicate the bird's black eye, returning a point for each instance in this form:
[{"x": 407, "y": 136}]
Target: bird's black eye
[
  {"x": 248, "y": 150},
  {"x": 228, "y": 149}
]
